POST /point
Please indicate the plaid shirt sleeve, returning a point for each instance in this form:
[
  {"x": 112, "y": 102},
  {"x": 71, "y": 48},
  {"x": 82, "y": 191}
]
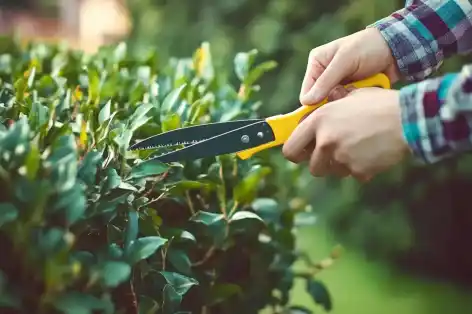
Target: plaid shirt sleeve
[{"x": 436, "y": 112}]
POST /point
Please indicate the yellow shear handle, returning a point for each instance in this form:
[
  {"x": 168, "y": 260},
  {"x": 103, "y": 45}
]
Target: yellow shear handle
[{"x": 284, "y": 125}]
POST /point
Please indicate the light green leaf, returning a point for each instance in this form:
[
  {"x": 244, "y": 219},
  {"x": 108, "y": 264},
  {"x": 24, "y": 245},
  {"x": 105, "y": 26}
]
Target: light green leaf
[
  {"x": 245, "y": 191},
  {"x": 147, "y": 169},
  {"x": 8, "y": 213},
  {"x": 32, "y": 162},
  {"x": 142, "y": 248},
  {"x": 139, "y": 118},
  {"x": 243, "y": 62},
  {"x": 267, "y": 209},
  {"x": 171, "y": 122},
  {"x": 171, "y": 99},
  {"x": 114, "y": 273},
  {"x": 104, "y": 113},
  {"x": 258, "y": 71}
]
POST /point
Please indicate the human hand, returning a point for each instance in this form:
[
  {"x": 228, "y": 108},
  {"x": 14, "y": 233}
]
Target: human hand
[
  {"x": 347, "y": 59},
  {"x": 359, "y": 135}
]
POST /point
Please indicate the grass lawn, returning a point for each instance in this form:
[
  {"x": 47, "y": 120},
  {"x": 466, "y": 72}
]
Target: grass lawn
[{"x": 360, "y": 286}]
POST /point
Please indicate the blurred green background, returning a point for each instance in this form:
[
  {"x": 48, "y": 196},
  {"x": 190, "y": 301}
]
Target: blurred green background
[{"x": 407, "y": 233}]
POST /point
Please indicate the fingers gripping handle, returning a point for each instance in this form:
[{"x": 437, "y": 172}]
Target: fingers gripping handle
[{"x": 284, "y": 125}]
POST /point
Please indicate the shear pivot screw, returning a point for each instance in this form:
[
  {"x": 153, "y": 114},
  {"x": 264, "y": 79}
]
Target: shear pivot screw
[
  {"x": 260, "y": 134},
  {"x": 245, "y": 139}
]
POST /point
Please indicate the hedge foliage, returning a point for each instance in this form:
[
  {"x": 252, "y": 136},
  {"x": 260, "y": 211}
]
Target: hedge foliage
[{"x": 88, "y": 227}]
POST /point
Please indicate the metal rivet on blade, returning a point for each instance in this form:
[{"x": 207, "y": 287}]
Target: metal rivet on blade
[
  {"x": 245, "y": 139},
  {"x": 260, "y": 134}
]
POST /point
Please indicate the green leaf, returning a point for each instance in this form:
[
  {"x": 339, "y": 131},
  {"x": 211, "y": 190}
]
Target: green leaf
[
  {"x": 206, "y": 218},
  {"x": 78, "y": 303},
  {"x": 142, "y": 248},
  {"x": 258, "y": 71},
  {"x": 88, "y": 169},
  {"x": 171, "y": 300},
  {"x": 180, "y": 283},
  {"x": 114, "y": 273},
  {"x": 171, "y": 122},
  {"x": 180, "y": 260},
  {"x": 243, "y": 62},
  {"x": 245, "y": 191},
  {"x": 112, "y": 180},
  {"x": 319, "y": 293},
  {"x": 267, "y": 209},
  {"x": 104, "y": 113},
  {"x": 245, "y": 221},
  {"x": 139, "y": 118},
  {"x": 147, "y": 169},
  {"x": 131, "y": 232},
  {"x": 221, "y": 292},
  {"x": 8, "y": 213},
  {"x": 147, "y": 305},
  {"x": 186, "y": 185},
  {"x": 32, "y": 162},
  {"x": 172, "y": 99},
  {"x": 93, "y": 84}
]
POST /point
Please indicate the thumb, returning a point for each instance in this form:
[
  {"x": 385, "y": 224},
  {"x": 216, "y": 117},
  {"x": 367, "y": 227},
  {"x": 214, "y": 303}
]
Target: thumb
[{"x": 337, "y": 70}]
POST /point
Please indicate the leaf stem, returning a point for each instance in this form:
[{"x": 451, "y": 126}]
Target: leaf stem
[{"x": 189, "y": 202}]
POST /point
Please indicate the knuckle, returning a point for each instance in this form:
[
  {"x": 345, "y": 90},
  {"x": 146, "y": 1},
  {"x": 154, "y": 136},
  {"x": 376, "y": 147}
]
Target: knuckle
[{"x": 288, "y": 153}]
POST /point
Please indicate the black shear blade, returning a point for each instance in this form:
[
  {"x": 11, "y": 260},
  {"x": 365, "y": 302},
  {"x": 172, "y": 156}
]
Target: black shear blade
[
  {"x": 233, "y": 141},
  {"x": 190, "y": 135}
]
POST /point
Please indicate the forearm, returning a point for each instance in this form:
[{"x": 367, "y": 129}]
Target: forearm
[
  {"x": 424, "y": 33},
  {"x": 437, "y": 116}
]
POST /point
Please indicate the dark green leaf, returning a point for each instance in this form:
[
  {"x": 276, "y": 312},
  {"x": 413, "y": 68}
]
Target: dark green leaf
[
  {"x": 142, "y": 248},
  {"x": 88, "y": 168},
  {"x": 180, "y": 283},
  {"x": 171, "y": 299},
  {"x": 180, "y": 260},
  {"x": 220, "y": 292},
  {"x": 319, "y": 293},
  {"x": 8, "y": 213},
  {"x": 147, "y": 305},
  {"x": 78, "y": 303},
  {"x": 147, "y": 169},
  {"x": 131, "y": 228},
  {"x": 112, "y": 180},
  {"x": 206, "y": 218}
]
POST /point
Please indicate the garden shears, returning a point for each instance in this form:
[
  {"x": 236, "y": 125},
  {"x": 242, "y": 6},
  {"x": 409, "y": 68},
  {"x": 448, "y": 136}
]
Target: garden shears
[{"x": 243, "y": 137}]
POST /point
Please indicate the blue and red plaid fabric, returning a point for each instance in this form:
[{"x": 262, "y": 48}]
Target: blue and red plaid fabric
[{"x": 436, "y": 112}]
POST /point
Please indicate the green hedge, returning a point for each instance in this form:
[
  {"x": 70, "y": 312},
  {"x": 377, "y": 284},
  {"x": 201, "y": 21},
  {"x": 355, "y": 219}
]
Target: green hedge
[{"x": 88, "y": 227}]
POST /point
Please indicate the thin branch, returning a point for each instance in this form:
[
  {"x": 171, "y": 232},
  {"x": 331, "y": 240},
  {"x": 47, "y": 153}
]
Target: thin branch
[{"x": 206, "y": 257}]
